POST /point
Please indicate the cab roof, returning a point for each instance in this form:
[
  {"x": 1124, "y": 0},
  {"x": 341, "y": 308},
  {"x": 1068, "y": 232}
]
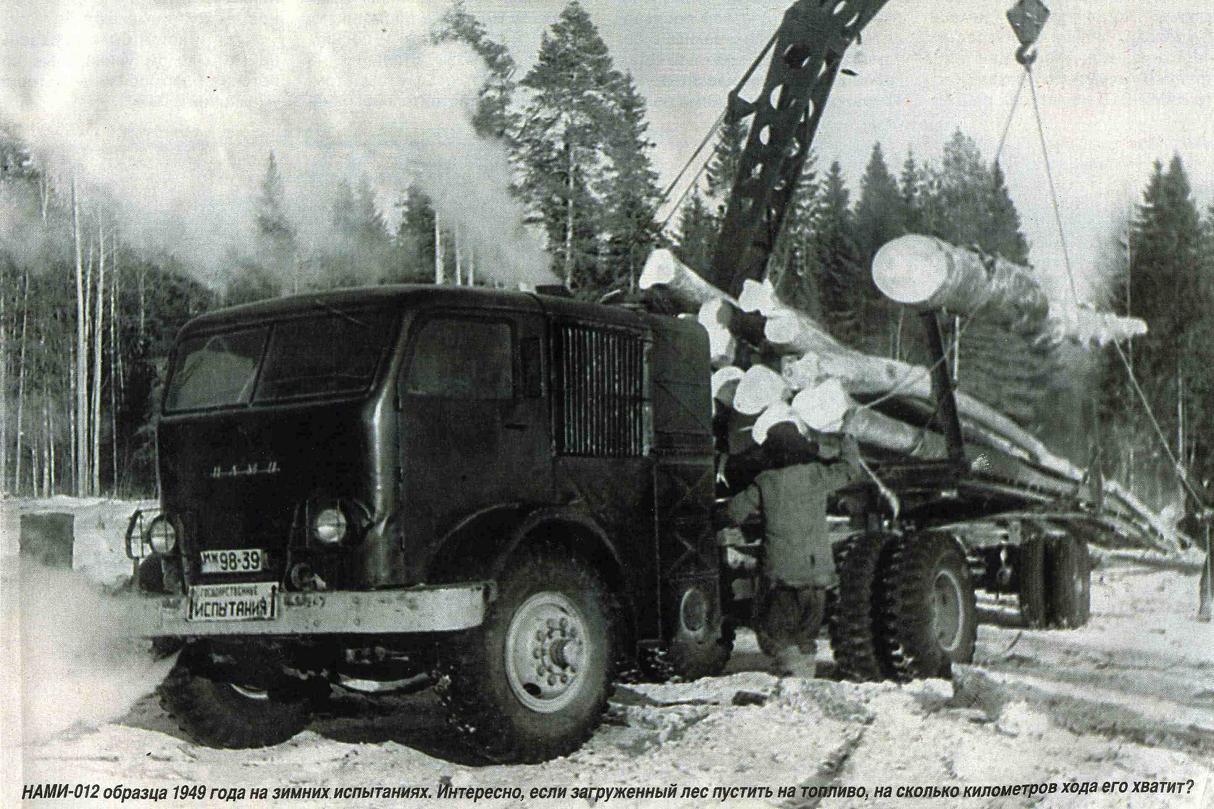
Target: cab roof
[{"x": 412, "y": 297}]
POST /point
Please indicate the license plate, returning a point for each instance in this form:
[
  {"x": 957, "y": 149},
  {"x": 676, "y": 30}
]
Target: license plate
[
  {"x": 243, "y": 560},
  {"x": 250, "y": 601}
]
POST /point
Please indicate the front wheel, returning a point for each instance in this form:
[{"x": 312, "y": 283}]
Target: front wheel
[
  {"x": 222, "y": 702},
  {"x": 531, "y": 683}
]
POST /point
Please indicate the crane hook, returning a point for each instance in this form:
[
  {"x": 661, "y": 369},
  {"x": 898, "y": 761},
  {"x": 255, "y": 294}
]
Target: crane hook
[{"x": 1027, "y": 18}]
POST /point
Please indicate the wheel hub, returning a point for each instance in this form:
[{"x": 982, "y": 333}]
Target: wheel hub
[
  {"x": 947, "y": 610},
  {"x": 545, "y": 651}
]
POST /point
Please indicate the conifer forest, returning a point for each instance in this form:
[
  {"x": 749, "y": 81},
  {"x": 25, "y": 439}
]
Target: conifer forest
[{"x": 89, "y": 308}]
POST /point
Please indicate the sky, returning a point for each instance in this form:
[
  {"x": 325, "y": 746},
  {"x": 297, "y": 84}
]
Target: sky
[{"x": 1120, "y": 85}]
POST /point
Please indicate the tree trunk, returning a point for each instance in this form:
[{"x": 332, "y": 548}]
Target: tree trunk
[
  {"x": 80, "y": 392},
  {"x": 115, "y": 369},
  {"x": 21, "y": 375},
  {"x": 35, "y": 449},
  {"x": 569, "y": 221},
  {"x": 142, "y": 306},
  {"x": 98, "y": 355},
  {"x": 4, "y": 349},
  {"x": 459, "y": 262},
  {"x": 438, "y": 250},
  {"x": 48, "y": 421}
]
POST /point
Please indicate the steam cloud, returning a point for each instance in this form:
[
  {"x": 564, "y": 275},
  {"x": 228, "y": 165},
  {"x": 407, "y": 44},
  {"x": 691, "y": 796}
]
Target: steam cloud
[
  {"x": 172, "y": 109},
  {"x": 80, "y": 660}
]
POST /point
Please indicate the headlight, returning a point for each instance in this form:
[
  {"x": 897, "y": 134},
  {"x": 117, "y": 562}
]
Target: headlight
[
  {"x": 329, "y": 525},
  {"x": 162, "y": 536}
]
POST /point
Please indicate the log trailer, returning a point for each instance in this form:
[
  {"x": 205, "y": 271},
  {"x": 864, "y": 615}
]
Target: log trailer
[{"x": 511, "y": 495}]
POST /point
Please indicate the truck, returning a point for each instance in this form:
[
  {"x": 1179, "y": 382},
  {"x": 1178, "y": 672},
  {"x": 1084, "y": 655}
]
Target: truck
[{"x": 511, "y": 496}]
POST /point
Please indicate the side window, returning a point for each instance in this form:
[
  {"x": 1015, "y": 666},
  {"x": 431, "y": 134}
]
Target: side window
[{"x": 462, "y": 359}]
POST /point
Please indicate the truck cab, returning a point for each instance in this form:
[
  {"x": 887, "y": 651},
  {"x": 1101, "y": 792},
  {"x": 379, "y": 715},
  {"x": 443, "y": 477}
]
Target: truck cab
[{"x": 506, "y": 493}]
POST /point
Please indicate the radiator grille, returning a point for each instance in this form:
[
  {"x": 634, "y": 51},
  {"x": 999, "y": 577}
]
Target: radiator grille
[{"x": 600, "y": 392}]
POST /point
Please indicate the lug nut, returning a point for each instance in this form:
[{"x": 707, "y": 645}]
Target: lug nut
[{"x": 551, "y": 679}]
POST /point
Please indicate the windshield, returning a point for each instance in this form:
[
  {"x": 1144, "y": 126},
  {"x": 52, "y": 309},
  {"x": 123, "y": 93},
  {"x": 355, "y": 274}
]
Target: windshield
[{"x": 322, "y": 355}]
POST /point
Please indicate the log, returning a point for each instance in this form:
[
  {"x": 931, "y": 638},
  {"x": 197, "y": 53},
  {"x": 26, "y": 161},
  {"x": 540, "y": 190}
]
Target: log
[
  {"x": 778, "y": 413},
  {"x": 725, "y": 384},
  {"x": 926, "y": 273},
  {"x": 758, "y": 297},
  {"x": 824, "y": 406},
  {"x": 759, "y": 388},
  {"x": 687, "y": 288},
  {"x": 761, "y": 393},
  {"x": 715, "y": 316},
  {"x": 828, "y": 409}
]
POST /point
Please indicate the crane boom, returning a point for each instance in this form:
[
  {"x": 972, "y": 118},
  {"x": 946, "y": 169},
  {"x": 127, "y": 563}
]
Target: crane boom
[{"x": 808, "y": 49}]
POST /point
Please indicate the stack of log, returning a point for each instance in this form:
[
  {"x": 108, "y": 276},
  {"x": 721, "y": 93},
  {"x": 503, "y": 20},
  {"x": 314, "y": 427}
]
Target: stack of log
[{"x": 776, "y": 364}]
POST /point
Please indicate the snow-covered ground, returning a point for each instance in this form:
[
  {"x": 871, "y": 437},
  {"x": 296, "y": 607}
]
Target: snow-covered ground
[{"x": 1126, "y": 701}]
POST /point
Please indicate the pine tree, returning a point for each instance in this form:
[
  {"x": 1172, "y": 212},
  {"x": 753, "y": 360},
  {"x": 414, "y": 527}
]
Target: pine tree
[
  {"x": 1002, "y": 234},
  {"x": 561, "y": 142},
  {"x": 793, "y": 268},
  {"x": 1170, "y": 289},
  {"x": 838, "y": 259},
  {"x": 415, "y": 237},
  {"x": 358, "y": 251},
  {"x": 880, "y": 217},
  {"x": 493, "y": 117},
  {"x": 630, "y": 193},
  {"x": 697, "y": 233},
  {"x": 277, "y": 250},
  {"x": 723, "y": 166},
  {"x": 880, "y": 212},
  {"x": 910, "y": 187},
  {"x": 961, "y": 192}
]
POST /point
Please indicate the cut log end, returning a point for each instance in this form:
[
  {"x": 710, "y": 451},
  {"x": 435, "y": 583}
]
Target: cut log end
[
  {"x": 759, "y": 388},
  {"x": 911, "y": 269}
]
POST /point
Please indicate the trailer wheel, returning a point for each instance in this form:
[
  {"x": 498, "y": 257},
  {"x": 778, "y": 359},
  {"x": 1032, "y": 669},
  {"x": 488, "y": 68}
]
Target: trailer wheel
[
  {"x": 218, "y": 708},
  {"x": 854, "y": 624},
  {"x": 1031, "y": 580},
  {"x": 531, "y": 683},
  {"x": 929, "y": 611},
  {"x": 1070, "y": 583}
]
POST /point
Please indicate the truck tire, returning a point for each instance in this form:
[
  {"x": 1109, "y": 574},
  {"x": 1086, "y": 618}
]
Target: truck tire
[
  {"x": 532, "y": 682},
  {"x": 695, "y": 651},
  {"x": 1031, "y": 580},
  {"x": 855, "y": 612},
  {"x": 930, "y": 618},
  {"x": 1069, "y": 593},
  {"x": 218, "y": 712}
]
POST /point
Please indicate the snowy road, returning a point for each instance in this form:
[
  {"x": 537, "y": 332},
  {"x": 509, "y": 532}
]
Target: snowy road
[{"x": 1128, "y": 700}]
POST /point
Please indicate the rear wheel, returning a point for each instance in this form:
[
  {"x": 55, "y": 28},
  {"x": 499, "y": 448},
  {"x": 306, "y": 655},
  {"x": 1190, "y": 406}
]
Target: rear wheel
[
  {"x": 532, "y": 682},
  {"x": 1069, "y": 583},
  {"x": 929, "y": 613},
  {"x": 855, "y": 612},
  {"x": 221, "y": 702},
  {"x": 1031, "y": 579}
]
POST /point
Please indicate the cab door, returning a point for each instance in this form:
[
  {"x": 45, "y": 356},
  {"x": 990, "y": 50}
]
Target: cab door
[{"x": 474, "y": 422}]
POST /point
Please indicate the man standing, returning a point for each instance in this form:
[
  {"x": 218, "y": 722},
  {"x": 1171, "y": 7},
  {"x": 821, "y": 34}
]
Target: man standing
[{"x": 791, "y": 495}]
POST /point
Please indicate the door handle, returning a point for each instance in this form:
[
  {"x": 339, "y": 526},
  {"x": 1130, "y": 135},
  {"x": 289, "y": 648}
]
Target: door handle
[{"x": 514, "y": 425}]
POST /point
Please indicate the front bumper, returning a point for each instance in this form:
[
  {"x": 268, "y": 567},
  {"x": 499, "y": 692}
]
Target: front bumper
[{"x": 444, "y": 608}]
